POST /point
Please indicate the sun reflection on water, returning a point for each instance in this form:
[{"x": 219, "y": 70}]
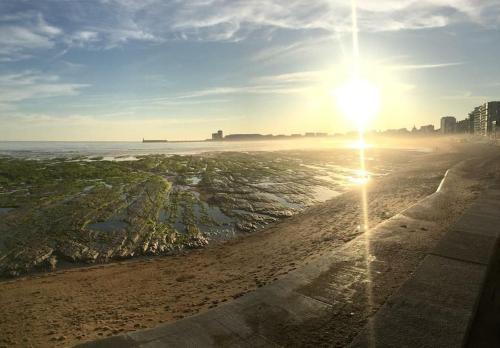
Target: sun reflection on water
[
  {"x": 362, "y": 177},
  {"x": 356, "y": 145}
]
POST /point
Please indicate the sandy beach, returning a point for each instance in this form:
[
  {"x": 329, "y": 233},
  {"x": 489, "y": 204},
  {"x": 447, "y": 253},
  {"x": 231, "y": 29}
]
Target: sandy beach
[{"x": 81, "y": 304}]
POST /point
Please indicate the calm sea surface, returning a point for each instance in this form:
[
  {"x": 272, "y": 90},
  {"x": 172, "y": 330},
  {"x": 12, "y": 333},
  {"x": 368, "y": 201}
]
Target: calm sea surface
[
  {"x": 112, "y": 150},
  {"x": 48, "y": 149}
]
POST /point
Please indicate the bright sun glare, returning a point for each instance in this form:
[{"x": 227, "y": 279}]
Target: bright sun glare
[{"x": 358, "y": 100}]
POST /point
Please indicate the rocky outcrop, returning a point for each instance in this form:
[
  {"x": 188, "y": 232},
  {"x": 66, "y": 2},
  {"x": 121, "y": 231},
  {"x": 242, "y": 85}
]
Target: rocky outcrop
[{"x": 97, "y": 211}]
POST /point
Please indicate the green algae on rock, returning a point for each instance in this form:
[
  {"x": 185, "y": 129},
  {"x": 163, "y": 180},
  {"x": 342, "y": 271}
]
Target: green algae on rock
[{"x": 88, "y": 211}]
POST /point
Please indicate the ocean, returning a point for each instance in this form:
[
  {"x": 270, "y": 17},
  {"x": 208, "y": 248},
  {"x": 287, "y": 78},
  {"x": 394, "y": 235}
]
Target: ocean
[
  {"x": 123, "y": 150},
  {"x": 111, "y": 149}
]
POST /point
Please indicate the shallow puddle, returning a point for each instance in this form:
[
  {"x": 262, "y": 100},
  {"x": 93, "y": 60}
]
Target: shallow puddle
[{"x": 5, "y": 210}]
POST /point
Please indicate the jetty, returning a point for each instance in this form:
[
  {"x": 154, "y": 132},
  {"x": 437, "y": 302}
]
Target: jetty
[{"x": 154, "y": 141}]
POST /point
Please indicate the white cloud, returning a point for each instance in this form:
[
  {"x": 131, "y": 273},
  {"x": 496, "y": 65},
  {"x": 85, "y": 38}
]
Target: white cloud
[
  {"x": 27, "y": 85},
  {"x": 233, "y": 19},
  {"x": 110, "y": 23},
  {"x": 298, "y": 82},
  {"x": 307, "y": 45},
  {"x": 424, "y": 66},
  {"x": 280, "y": 84},
  {"x": 82, "y": 38},
  {"x": 23, "y": 33},
  {"x": 294, "y": 77},
  {"x": 247, "y": 89}
]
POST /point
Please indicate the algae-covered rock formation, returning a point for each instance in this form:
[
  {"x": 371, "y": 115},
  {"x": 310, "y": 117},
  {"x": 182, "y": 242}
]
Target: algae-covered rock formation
[{"x": 87, "y": 210}]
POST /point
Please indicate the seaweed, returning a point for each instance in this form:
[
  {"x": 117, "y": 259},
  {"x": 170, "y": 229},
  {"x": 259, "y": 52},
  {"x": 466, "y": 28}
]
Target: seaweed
[{"x": 96, "y": 211}]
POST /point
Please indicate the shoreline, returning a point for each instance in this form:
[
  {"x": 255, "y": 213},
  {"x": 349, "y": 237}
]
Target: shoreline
[{"x": 389, "y": 143}]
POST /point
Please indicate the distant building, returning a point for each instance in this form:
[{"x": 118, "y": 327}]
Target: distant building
[
  {"x": 400, "y": 131},
  {"x": 448, "y": 124},
  {"x": 427, "y": 129},
  {"x": 474, "y": 121},
  {"x": 424, "y": 130},
  {"x": 316, "y": 134},
  {"x": 463, "y": 126},
  {"x": 244, "y": 136},
  {"x": 218, "y": 136},
  {"x": 488, "y": 114},
  {"x": 483, "y": 120}
]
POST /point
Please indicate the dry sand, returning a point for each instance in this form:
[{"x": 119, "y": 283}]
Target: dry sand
[{"x": 76, "y": 305}]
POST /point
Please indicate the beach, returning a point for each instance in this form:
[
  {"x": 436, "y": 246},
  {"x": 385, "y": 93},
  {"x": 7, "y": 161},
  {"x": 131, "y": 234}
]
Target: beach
[{"x": 75, "y": 305}]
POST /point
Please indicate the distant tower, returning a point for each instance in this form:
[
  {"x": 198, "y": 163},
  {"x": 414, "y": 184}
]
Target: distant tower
[{"x": 218, "y": 136}]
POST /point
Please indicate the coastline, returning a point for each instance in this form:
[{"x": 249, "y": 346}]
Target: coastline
[
  {"x": 125, "y": 296},
  {"x": 52, "y": 149}
]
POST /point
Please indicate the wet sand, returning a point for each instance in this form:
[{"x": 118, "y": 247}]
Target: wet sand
[{"x": 77, "y": 305}]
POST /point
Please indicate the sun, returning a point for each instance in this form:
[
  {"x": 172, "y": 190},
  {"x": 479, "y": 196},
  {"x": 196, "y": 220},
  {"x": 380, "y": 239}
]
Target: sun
[{"x": 358, "y": 100}]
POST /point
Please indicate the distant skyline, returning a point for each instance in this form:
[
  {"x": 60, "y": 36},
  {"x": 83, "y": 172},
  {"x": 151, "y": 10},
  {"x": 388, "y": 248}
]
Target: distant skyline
[{"x": 127, "y": 70}]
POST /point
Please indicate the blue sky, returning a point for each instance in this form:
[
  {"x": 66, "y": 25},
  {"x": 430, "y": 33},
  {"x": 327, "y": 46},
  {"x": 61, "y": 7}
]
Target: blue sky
[{"x": 124, "y": 69}]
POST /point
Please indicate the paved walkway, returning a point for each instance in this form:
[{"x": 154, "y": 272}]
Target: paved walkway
[
  {"x": 418, "y": 284},
  {"x": 436, "y": 306}
]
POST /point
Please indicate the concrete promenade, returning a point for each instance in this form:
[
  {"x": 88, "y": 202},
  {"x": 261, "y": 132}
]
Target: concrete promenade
[
  {"x": 436, "y": 305},
  {"x": 407, "y": 282}
]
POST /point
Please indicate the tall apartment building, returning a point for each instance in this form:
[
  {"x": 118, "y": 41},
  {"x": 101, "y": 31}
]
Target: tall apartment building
[
  {"x": 474, "y": 120},
  {"x": 483, "y": 120},
  {"x": 493, "y": 114},
  {"x": 448, "y": 124},
  {"x": 488, "y": 113}
]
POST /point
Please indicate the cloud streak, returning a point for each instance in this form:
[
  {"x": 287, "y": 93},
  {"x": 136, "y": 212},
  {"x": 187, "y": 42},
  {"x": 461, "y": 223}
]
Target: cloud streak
[
  {"x": 425, "y": 66},
  {"x": 104, "y": 24},
  {"x": 15, "y": 88},
  {"x": 22, "y": 34},
  {"x": 234, "y": 19}
]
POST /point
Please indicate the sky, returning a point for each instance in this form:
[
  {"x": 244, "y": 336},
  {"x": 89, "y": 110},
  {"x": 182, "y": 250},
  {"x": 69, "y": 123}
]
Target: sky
[{"x": 182, "y": 69}]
